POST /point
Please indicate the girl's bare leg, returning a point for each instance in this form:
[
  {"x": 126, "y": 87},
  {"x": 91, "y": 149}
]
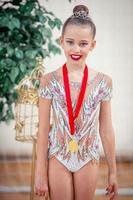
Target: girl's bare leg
[
  {"x": 85, "y": 181},
  {"x": 60, "y": 181}
]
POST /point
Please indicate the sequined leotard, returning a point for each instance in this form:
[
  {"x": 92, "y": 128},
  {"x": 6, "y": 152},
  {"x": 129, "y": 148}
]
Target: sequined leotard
[{"x": 87, "y": 132}]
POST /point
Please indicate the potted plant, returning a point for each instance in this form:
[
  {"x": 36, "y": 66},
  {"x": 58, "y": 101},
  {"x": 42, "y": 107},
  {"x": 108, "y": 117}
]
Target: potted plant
[{"x": 25, "y": 33}]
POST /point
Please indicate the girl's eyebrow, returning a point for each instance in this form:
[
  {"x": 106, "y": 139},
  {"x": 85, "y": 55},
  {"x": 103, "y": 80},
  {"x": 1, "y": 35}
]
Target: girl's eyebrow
[
  {"x": 69, "y": 38},
  {"x": 80, "y": 40}
]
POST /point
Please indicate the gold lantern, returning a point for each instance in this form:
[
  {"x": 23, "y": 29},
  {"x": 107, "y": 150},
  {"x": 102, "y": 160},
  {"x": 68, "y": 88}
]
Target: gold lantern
[{"x": 26, "y": 113}]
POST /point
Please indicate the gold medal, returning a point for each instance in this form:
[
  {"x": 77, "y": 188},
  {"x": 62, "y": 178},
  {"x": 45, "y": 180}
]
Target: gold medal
[{"x": 73, "y": 145}]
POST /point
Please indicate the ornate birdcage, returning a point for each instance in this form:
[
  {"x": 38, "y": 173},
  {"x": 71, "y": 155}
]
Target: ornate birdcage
[
  {"x": 26, "y": 112},
  {"x": 26, "y": 106}
]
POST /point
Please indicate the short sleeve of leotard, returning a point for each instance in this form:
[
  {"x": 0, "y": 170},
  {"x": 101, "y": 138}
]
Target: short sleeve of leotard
[
  {"x": 45, "y": 90},
  {"x": 107, "y": 88}
]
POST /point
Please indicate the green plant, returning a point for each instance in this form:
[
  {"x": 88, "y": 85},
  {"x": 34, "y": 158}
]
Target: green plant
[{"x": 25, "y": 33}]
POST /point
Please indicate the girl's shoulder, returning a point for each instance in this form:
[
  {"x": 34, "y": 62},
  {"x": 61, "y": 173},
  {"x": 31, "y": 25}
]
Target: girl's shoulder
[
  {"x": 105, "y": 79},
  {"x": 99, "y": 75},
  {"x": 56, "y": 74},
  {"x": 46, "y": 78}
]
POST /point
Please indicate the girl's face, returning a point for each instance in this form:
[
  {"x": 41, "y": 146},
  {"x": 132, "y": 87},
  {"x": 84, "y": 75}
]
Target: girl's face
[{"x": 77, "y": 41}]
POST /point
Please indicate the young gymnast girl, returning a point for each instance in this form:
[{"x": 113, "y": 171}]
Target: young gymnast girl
[{"x": 68, "y": 151}]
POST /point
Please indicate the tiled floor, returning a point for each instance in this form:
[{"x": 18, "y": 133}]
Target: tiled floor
[{"x": 17, "y": 173}]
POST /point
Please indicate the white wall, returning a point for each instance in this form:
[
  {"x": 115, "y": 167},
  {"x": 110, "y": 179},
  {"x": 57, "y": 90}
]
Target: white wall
[{"x": 112, "y": 55}]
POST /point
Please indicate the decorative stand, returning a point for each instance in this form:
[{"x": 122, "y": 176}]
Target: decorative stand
[{"x": 26, "y": 113}]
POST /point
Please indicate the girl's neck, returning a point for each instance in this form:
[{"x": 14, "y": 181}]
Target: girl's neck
[{"x": 75, "y": 68}]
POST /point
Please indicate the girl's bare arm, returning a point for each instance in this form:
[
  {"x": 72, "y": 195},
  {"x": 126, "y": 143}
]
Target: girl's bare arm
[
  {"x": 44, "y": 126},
  {"x": 108, "y": 141},
  {"x": 107, "y": 135},
  {"x": 41, "y": 172}
]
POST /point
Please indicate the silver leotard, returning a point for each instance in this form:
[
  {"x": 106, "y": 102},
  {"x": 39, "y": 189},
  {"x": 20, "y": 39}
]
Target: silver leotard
[{"x": 87, "y": 132}]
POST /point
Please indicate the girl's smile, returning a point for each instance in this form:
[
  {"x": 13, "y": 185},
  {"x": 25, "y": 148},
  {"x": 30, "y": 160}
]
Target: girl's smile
[{"x": 75, "y": 56}]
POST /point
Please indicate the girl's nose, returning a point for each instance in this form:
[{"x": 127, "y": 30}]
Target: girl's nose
[{"x": 76, "y": 48}]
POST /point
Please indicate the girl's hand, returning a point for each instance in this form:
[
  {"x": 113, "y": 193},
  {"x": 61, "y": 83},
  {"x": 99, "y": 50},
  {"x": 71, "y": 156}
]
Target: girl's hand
[
  {"x": 41, "y": 185},
  {"x": 112, "y": 188}
]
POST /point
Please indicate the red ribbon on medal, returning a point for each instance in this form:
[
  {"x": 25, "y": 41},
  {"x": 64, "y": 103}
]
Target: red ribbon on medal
[{"x": 72, "y": 116}]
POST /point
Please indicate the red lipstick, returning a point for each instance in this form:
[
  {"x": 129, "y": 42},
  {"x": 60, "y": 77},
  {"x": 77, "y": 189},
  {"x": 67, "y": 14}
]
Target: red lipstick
[{"x": 75, "y": 56}]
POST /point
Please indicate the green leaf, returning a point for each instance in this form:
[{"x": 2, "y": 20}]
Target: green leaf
[
  {"x": 41, "y": 29},
  {"x": 4, "y": 21},
  {"x": 46, "y": 32},
  {"x": 39, "y": 12},
  {"x": 38, "y": 39},
  {"x": 42, "y": 19},
  {"x": 52, "y": 48},
  {"x": 8, "y": 85},
  {"x": 14, "y": 73},
  {"x": 40, "y": 16},
  {"x": 14, "y": 23},
  {"x": 27, "y": 8},
  {"x": 7, "y": 63},
  {"x": 43, "y": 52},
  {"x": 57, "y": 41},
  {"x": 2, "y": 51},
  {"x": 19, "y": 53},
  {"x": 58, "y": 23},
  {"x": 31, "y": 63},
  {"x": 10, "y": 51},
  {"x": 31, "y": 54},
  {"x": 51, "y": 23},
  {"x": 49, "y": 13},
  {"x": 15, "y": 95},
  {"x": 2, "y": 63},
  {"x": 22, "y": 66}
]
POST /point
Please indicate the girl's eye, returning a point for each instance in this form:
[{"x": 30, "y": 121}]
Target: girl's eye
[
  {"x": 70, "y": 42},
  {"x": 84, "y": 44}
]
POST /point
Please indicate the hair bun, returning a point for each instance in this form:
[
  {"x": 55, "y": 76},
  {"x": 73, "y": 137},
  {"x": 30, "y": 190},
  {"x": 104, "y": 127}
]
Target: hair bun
[{"x": 81, "y": 11}]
